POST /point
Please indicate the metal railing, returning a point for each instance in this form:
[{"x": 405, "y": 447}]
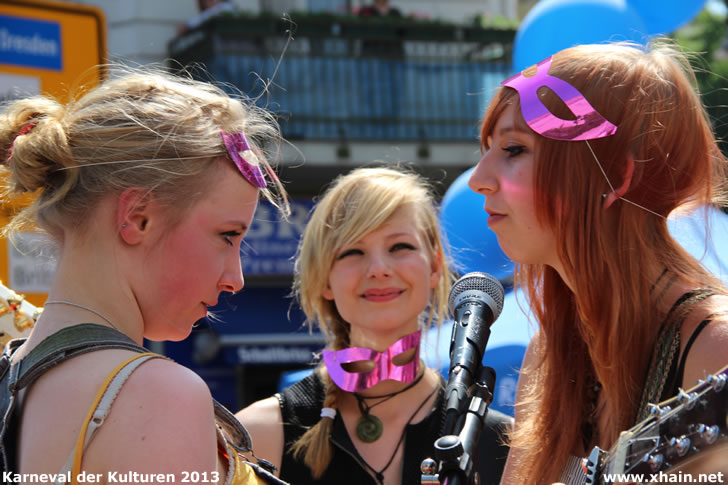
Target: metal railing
[{"x": 358, "y": 81}]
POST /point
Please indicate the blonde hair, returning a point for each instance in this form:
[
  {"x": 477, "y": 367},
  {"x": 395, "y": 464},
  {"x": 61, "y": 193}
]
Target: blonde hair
[
  {"x": 605, "y": 330},
  {"x": 355, "y": 205},
  {"x": 139, "y": 129}
]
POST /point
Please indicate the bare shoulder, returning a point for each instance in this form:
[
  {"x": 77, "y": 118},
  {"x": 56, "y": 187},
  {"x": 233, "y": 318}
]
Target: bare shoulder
[
  {"x": 264, "y": 421},
  {"x": 266, "y": 413},
  {"x": 161, "y": 422},
  {"x": 531, "y": 359},
  {"x": 707, "y": 354},
  {"x": 534, "y": 351}
]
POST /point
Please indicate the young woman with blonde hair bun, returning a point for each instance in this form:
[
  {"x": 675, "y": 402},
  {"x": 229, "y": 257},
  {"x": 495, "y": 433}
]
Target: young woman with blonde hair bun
[{"x": 147, "y": 185}]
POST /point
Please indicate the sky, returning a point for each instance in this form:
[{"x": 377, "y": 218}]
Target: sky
[{"x": 717, "y": 6}]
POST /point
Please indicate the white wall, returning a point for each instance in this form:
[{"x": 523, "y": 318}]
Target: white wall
[{"x": 139, "y": 30}]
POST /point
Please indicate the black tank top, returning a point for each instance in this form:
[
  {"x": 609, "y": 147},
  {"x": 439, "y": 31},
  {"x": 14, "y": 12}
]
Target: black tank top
[{"x": 301, "y": 407}]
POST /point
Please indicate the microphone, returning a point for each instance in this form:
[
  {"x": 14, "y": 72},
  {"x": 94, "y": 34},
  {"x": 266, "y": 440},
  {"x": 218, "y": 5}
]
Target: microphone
[{"x": 476, "y": 301}]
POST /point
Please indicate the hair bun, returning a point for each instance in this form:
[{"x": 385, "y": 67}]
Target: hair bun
[{"x": 37, "y": 143}]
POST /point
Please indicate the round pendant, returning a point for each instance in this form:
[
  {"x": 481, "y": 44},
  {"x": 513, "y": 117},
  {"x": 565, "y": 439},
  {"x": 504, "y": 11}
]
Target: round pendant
[{"x": 369, "y": 428}]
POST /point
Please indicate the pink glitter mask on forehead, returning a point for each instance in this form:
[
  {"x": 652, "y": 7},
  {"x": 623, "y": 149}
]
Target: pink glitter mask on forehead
[
  {"x": 384, "y": 367},
  {"x": 588, "y": 125},
  {"x": 244, "y": 158}
]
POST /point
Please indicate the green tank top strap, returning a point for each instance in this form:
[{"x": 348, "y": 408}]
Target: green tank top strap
[{"x": 67, "y": 343}]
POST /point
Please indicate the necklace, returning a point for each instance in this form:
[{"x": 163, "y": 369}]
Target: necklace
[
  {"x": 379, "y": 474},
  {"x": 369, "y": 427},
  {"x": 83, "y": 307}
]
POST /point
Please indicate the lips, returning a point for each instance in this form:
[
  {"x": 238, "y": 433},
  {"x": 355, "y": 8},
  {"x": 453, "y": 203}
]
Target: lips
[
  {"x": 382, "y": 294},
  {"x": 494, "y": 217}
]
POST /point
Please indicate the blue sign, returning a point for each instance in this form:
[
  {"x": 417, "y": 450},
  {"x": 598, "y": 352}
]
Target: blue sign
[
  {"x": 30, "y": 43},
  {"x": 270, "y": 244}
]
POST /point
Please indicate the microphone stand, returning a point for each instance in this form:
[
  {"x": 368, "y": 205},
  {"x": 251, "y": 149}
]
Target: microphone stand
[{"x": 457, "y": 449}]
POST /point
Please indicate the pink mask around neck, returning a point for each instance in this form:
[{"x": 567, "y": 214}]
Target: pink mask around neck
[
  {"x": 588, "y": 125},
  {"x": 384, "y": 367}
]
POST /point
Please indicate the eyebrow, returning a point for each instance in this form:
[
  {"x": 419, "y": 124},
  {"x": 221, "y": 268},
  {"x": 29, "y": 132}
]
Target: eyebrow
[
  {"x": 240, "y": 223},
  {"x": 512, "y": 128},
  {"x": 390, "y": 236},
  {"x": 398, "y": 234}
]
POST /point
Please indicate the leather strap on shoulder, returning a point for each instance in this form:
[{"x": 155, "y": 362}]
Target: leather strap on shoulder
[{"x": 70, "y": 342}]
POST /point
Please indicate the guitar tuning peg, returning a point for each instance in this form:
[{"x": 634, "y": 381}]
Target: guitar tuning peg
[
  {"x": 688, "y": 400},
  {"x": 717, "y": 382},
  {"x": 683, "y": 445},
  {"x": 655, "y": 462},
  {"x": 710, "y": 434},
  {"x": 656, "y": 410}
]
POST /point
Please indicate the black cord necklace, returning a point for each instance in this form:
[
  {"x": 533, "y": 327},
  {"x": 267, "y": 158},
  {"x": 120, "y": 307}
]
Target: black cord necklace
[
  {"x": 369, "y": 427},
  {"x": 379, "y": 474}
]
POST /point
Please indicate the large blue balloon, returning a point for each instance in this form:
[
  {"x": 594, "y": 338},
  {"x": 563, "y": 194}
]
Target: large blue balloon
[
  {"x": 666, "y": 16},
  {"x": 553, "y": 25},
  {"x": 691, "y": 231},
  {"x": 474, "y": 246}
]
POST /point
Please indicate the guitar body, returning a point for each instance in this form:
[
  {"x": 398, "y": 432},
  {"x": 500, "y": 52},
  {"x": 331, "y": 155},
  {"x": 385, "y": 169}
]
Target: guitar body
[{"x": 684, "y": 437}]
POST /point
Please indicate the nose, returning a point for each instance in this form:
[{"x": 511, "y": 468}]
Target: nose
[
  {"x": 232, "y": 279},
  {"x": 378, "y": 265},
  {"x": 483, "y": 179}
]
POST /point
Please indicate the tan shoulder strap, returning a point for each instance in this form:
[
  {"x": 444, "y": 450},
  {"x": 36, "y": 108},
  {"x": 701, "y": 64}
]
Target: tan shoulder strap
[{"x": 100, "y": 409}]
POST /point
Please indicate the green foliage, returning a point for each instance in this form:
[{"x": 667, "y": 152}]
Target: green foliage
[
  {"x": 706, "y": 36},
  {"x": 495, "y": 22}
]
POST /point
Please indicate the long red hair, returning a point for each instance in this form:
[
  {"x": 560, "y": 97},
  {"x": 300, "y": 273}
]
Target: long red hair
[{"x": 606, "y": 328}]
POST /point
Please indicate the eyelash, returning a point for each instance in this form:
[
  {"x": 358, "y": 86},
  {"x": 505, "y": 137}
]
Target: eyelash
[
  {"x": 514, "y": 150},
  {"x": 349, "y": 252},
  {"x": 395, "y": 247},
  {"x": 402, "y": 246},
  {"x": 229, "y": 234}
]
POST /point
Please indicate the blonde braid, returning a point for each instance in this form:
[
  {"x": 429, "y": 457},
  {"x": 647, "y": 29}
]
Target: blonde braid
[{"x": 314, "y": 447}]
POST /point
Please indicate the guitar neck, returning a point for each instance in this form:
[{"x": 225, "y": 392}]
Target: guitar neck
[{"x": 678, "y": 433}]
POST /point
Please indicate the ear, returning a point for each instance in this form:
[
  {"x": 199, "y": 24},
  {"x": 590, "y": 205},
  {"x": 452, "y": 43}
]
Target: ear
[
  {"x": 435, "y": 270},
  {"x": 135, "y": 209},
  {"x": 327, "y": 293},
  {"x": 621, "y": 190}
]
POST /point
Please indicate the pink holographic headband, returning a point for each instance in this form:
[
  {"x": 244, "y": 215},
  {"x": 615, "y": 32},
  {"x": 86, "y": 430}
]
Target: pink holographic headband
[
  {"x": 384, "y": 367},
  {"x": 242, "y": 155},
  {"x": 588, "y": 125}
]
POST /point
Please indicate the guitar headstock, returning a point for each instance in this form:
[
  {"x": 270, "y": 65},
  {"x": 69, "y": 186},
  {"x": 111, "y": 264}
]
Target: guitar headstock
[{"x": 677, "y": 430}]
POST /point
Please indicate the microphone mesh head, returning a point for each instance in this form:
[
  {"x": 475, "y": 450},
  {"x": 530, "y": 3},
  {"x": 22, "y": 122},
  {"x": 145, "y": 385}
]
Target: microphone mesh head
[{"x": 481, "y": 282}]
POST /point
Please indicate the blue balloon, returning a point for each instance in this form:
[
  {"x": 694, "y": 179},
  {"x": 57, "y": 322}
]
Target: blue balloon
[
  {"x": 666, "y": 16},
  {"x": 473, "y": 245},
  {"x": 691, "y": 230},
  {"x": 554, "y": 25}
]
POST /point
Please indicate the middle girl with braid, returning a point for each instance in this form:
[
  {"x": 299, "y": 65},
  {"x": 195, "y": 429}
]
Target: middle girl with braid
[{"x": 372, "y": 274}]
